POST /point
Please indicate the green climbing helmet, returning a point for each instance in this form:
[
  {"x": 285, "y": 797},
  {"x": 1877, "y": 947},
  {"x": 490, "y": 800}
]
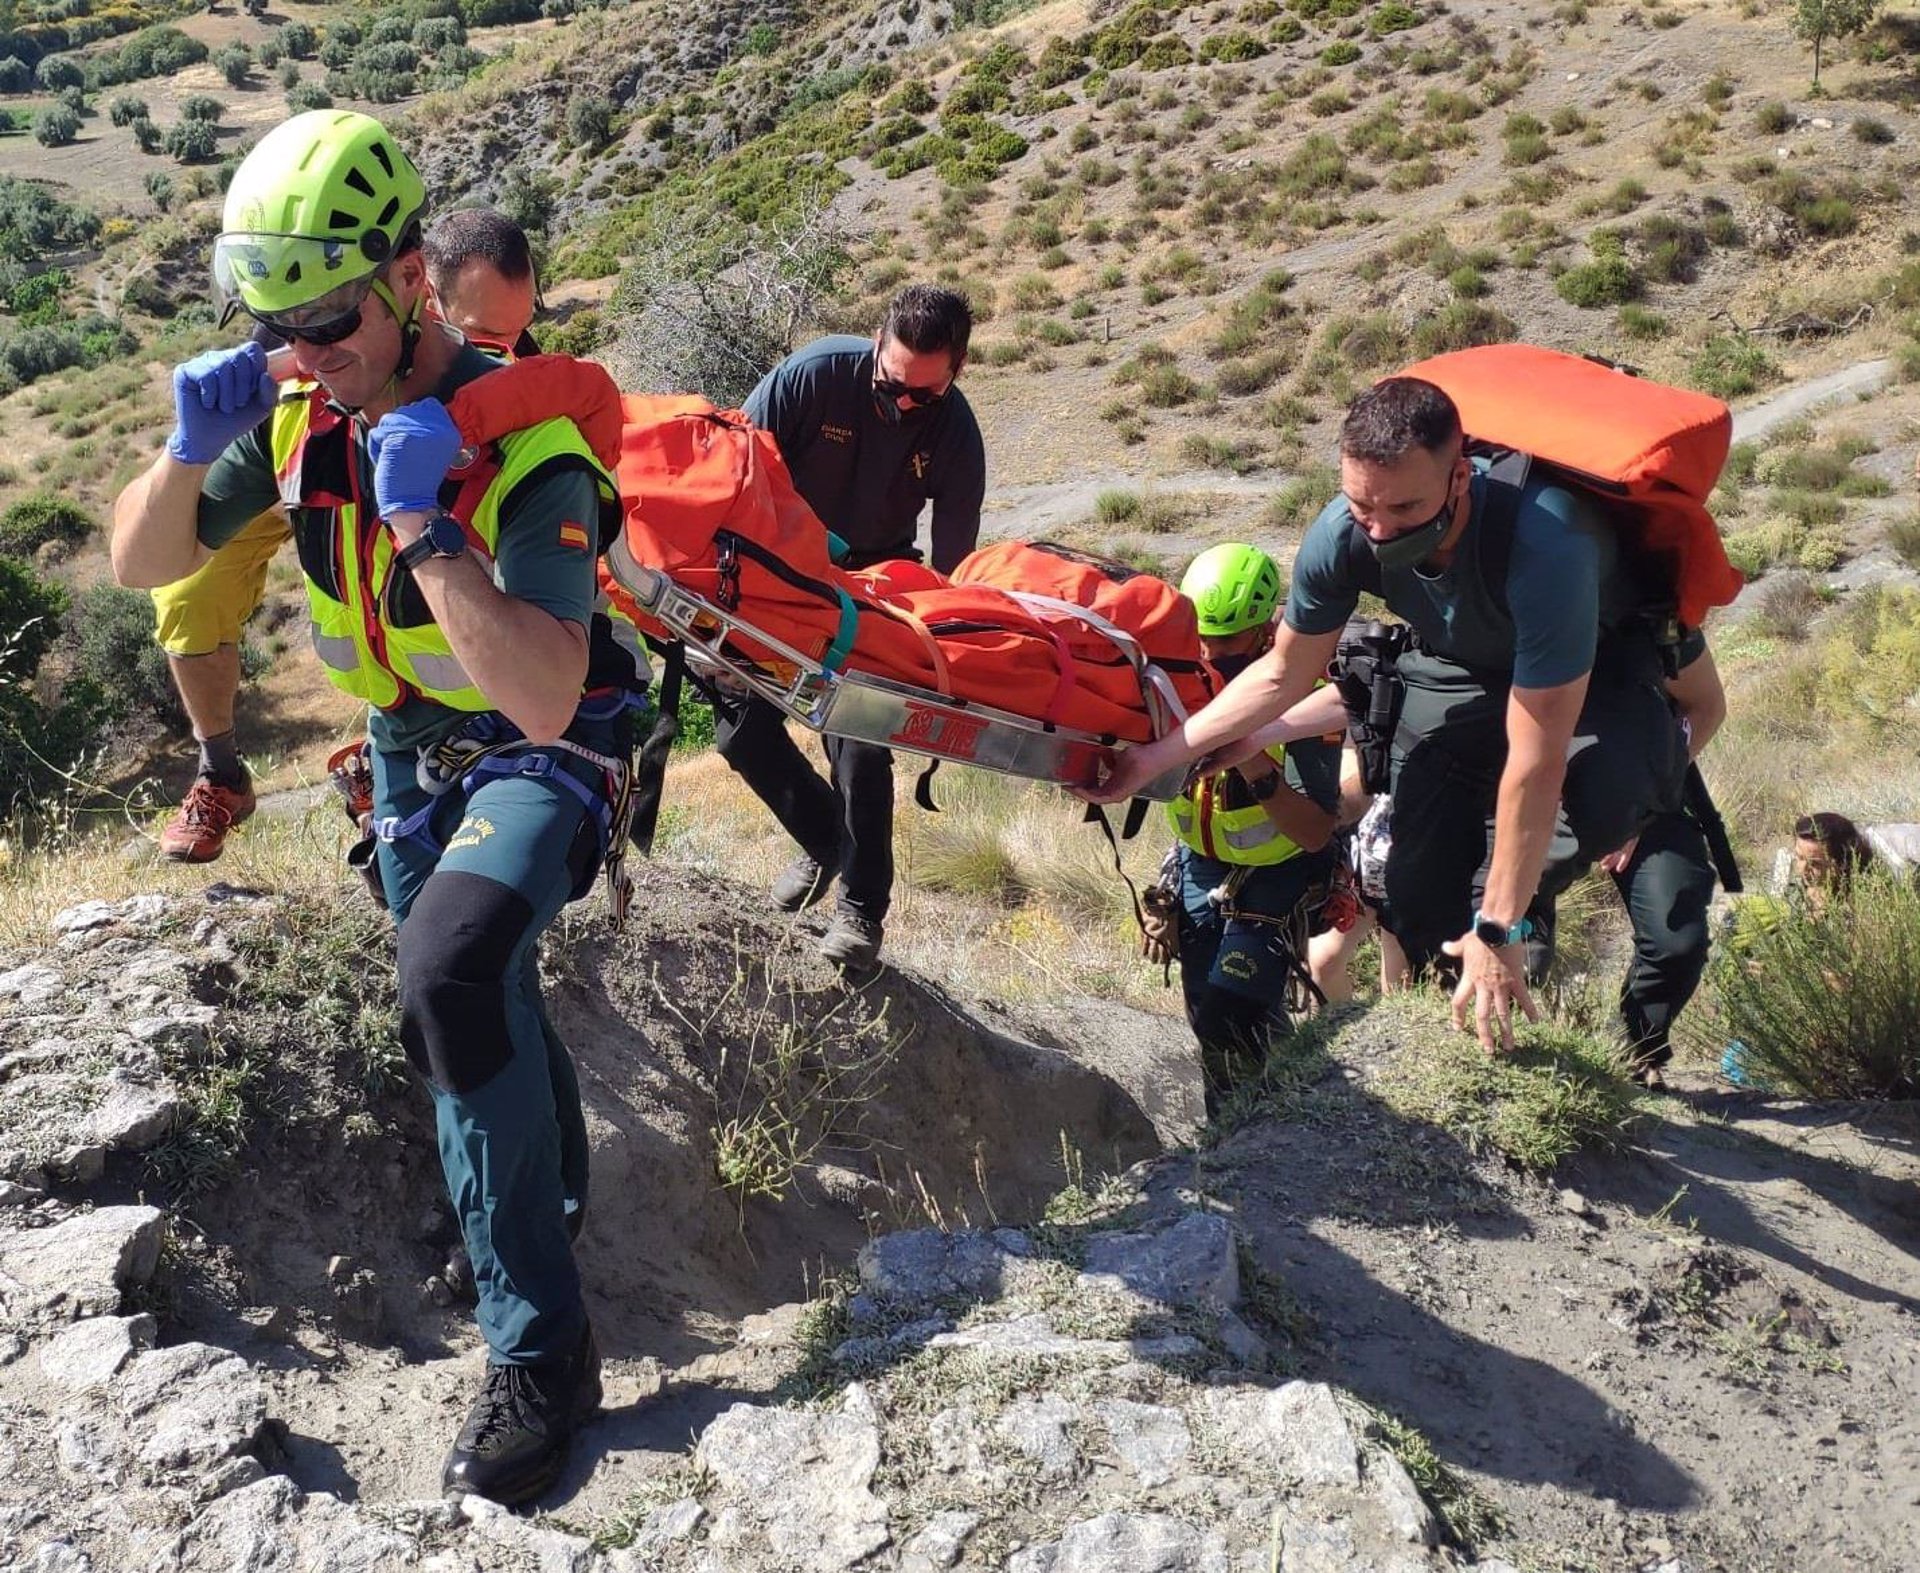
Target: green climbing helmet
[
  {"x": 1234, "y": 587},
  {"x": 314, "y": 211}
]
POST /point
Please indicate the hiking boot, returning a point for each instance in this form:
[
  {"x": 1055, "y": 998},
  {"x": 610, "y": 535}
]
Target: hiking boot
[
  {"x": 198, "y": 831},
  {"x": 516, "y": 1435},
  {"x": 852, "y": 941},
  {"x": 801, "y": 884}
]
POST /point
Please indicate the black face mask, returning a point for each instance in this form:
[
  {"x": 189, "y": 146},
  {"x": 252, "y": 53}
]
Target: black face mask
[{"x": 1411, "y": 548}]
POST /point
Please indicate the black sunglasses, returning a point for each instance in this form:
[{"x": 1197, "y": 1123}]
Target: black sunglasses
[
  {"x": 318, "y": 334},
  {"x": 887, "y": 388}
]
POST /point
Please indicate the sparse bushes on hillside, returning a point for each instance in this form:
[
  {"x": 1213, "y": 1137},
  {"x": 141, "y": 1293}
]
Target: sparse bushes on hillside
[
  {"x": 56, "y": 126},
  {"x": 38, "y": 739},
  {"x": 1730, "y": 364},
  {"x": 41, "y": 519},
  {"x": 235, "y": 63},
  {"x": 124, "y": 111},
  {"x": 589, "y": 121},
  {"x": 202, "y": 106},
  {"x": 113, "y": 651},
  {"x": 57, "y": 71},
  {"x": 308, "y": 95},
  {"x": 1608, "y": 280},
  {"x": 192, "y": 142},
  {"x": 1822, "y": 1005},
  {"x": 16, "y": 76},
  {"x": 298, "y": 40},
  {"x": 151, "y": 52}
]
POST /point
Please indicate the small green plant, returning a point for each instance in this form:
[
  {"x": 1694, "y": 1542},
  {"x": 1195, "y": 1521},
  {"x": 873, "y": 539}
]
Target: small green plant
[
  {"x": 41, "y": 519},
  {"x": 1642, "y": 324},
  {"x": 1471, "y": 1518},
  {"x": 1730, "y": 364},
  {"x": 1823, "y": 1001},
  {"x": 1300, "y": 500},
  {"x": 1561, "y": 1092},
  {"x": 1872, "y": 131},
  {"x": 1116, "y": 507},
  {"x": 1772, "y": 118},
  {"x": 1903, "y": 537}
]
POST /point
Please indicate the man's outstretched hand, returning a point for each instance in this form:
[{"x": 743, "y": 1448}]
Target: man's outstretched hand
[
  {"x": 1495, "y": 981},
  {"x": 1123, "y": 775}
]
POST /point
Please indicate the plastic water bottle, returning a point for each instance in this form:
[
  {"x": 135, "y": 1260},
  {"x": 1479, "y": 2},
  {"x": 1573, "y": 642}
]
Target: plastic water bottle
[{"x": 1733, "y": 1065}]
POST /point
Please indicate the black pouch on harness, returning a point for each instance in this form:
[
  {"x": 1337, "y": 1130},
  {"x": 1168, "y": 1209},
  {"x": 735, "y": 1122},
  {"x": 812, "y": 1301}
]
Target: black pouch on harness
[{"x": 1364, "y": 672}]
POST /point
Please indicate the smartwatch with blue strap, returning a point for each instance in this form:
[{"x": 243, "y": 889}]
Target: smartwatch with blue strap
[{"x": 1489, "y": 932}]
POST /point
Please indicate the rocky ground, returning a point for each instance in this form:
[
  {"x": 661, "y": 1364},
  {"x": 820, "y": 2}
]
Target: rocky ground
[{"x": 1338, "y": 1339}]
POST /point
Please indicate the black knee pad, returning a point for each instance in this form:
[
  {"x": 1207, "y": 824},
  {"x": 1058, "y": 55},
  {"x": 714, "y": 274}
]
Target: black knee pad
[{"x": 454, "y": 950}]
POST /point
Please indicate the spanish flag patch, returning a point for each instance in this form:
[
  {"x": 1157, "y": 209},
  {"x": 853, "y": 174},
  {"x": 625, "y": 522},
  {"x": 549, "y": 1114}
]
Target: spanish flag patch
[{"x": 574, "y": 535}]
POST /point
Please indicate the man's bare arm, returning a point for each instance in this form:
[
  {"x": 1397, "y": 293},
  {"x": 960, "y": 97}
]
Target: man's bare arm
[
  {"x": 1540, "y": 723},
  {"x": 154, "y": 519}
]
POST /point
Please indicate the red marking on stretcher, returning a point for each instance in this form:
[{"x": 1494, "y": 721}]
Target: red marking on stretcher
[{"x": 940, "y": 732}]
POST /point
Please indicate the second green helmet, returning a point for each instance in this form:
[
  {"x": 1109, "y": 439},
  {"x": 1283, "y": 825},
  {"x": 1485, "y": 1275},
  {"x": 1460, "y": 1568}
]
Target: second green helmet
[
  {"x": 1234, "y": 587},
  {"x": 324, "y": 199}
]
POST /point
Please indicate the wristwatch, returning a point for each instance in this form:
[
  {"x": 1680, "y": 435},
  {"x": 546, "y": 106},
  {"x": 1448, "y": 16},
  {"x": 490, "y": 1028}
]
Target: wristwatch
[
  {"x": 440, "y": 536},
  {"x": 1488, "y": 932}
]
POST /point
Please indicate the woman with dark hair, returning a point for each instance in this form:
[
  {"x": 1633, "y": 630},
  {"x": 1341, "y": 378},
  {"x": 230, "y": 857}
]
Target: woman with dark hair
[{"x": 1829, "y": 849}]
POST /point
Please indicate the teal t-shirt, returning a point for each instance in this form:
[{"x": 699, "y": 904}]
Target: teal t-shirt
[
  {"x": 1565, "y": 585},
  {"x": 536, "y": 561}
]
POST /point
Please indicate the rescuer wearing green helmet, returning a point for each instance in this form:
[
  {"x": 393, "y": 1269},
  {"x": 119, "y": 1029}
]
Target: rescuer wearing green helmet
[
  {"x": 1252, "y": 842},
  {"x": 452, "y": 589}
]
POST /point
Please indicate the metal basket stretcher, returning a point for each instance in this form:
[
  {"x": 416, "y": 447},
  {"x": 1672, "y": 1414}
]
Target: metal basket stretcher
[{"x": 874, "y": 709}]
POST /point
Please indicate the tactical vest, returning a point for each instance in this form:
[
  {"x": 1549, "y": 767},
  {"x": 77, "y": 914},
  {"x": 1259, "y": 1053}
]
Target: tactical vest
[
  {"x": 371, "y": 626},
  {"x": 1219, "y": 819}
]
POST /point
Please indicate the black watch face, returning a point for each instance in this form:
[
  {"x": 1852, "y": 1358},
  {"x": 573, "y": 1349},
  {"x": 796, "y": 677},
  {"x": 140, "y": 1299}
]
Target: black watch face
[{"x": 444, "y": 534}]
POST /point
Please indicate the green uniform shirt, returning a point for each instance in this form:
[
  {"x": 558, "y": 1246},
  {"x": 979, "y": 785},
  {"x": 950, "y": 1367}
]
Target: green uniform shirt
[{"x": 533, "y": 563}]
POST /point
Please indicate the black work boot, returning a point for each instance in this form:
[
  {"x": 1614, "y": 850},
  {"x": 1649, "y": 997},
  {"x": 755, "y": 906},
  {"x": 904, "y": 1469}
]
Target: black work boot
[
  {"x": 851, "y": 941},
  {"x": 516, "y": 1435},
  {"x": 801, "y": 884}
]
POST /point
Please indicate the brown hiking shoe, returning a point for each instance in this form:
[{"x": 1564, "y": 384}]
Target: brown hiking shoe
[{"x": 198, "y": 831}]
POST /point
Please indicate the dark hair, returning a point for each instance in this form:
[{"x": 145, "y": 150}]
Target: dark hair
[
  {"x": 466, "y": 234},
  {"x": 1398, "y": 414},
  {"x": 1840, "y": 838},
  {"x": 926, "y": 319}
]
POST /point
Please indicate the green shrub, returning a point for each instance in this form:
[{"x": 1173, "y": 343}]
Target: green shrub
[
  {"x": 1393, "y": 17},
  {"x": 1343, "y": 53},
  {"x": 41, "y": 518},
  {"x": 16, "y": 76},
  {"x": 114, "y": 650},
  {"x": 1903, "y": 539},
  {"x": 1562, "y": 1092},
  {"x": 303, "y": 96},
  {"x": 56, "y": 126},
  {"x": 1772, "y": 118},
  {"x": 235, "y": 63},
  {"x": 1730, "y": 364},
  {"x": 589, "y": 120},
  {"x": 124, "y": 111},
  {"x": 1822, "y": 1003},
  {"x": 1642, "y": 324},
  {"x": 146, "y": 135},
  {"x": 38, "y": 739},
  {"x": 1459, "y": 325},
  {"x": 192, "y": 141},
  {"x": 298, "y": 40},
  {"x": 202, "y": 106},
  {"x": 57, "y": 71},
  {"x": 1608, "y": 280},
  {"x": 1298, "y": 502},
  {"x": 1116, "y": 507},
  {"x": 1875, "y": 133}
]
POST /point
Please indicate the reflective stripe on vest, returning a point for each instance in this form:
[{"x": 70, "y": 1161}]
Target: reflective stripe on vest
[
  {"x": 1230, "y": 835},
  {"x": 363, "y": 653}
]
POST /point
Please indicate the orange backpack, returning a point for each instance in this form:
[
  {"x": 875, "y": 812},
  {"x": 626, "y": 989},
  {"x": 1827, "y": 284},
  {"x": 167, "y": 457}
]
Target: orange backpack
[{"x": 1651, "y": 453}]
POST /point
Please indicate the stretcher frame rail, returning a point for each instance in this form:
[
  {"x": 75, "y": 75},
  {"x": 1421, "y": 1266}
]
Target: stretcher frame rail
[{"x": 873, "y": 709}]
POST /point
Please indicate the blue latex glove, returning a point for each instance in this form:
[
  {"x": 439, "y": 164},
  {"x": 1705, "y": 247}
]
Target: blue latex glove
[
  {"x": 412, "y": 449},
  {"x": 218, "y": 397}
]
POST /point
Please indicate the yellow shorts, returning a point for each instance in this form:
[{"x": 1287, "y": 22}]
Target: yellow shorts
[{"x": 208, "y": 608}]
